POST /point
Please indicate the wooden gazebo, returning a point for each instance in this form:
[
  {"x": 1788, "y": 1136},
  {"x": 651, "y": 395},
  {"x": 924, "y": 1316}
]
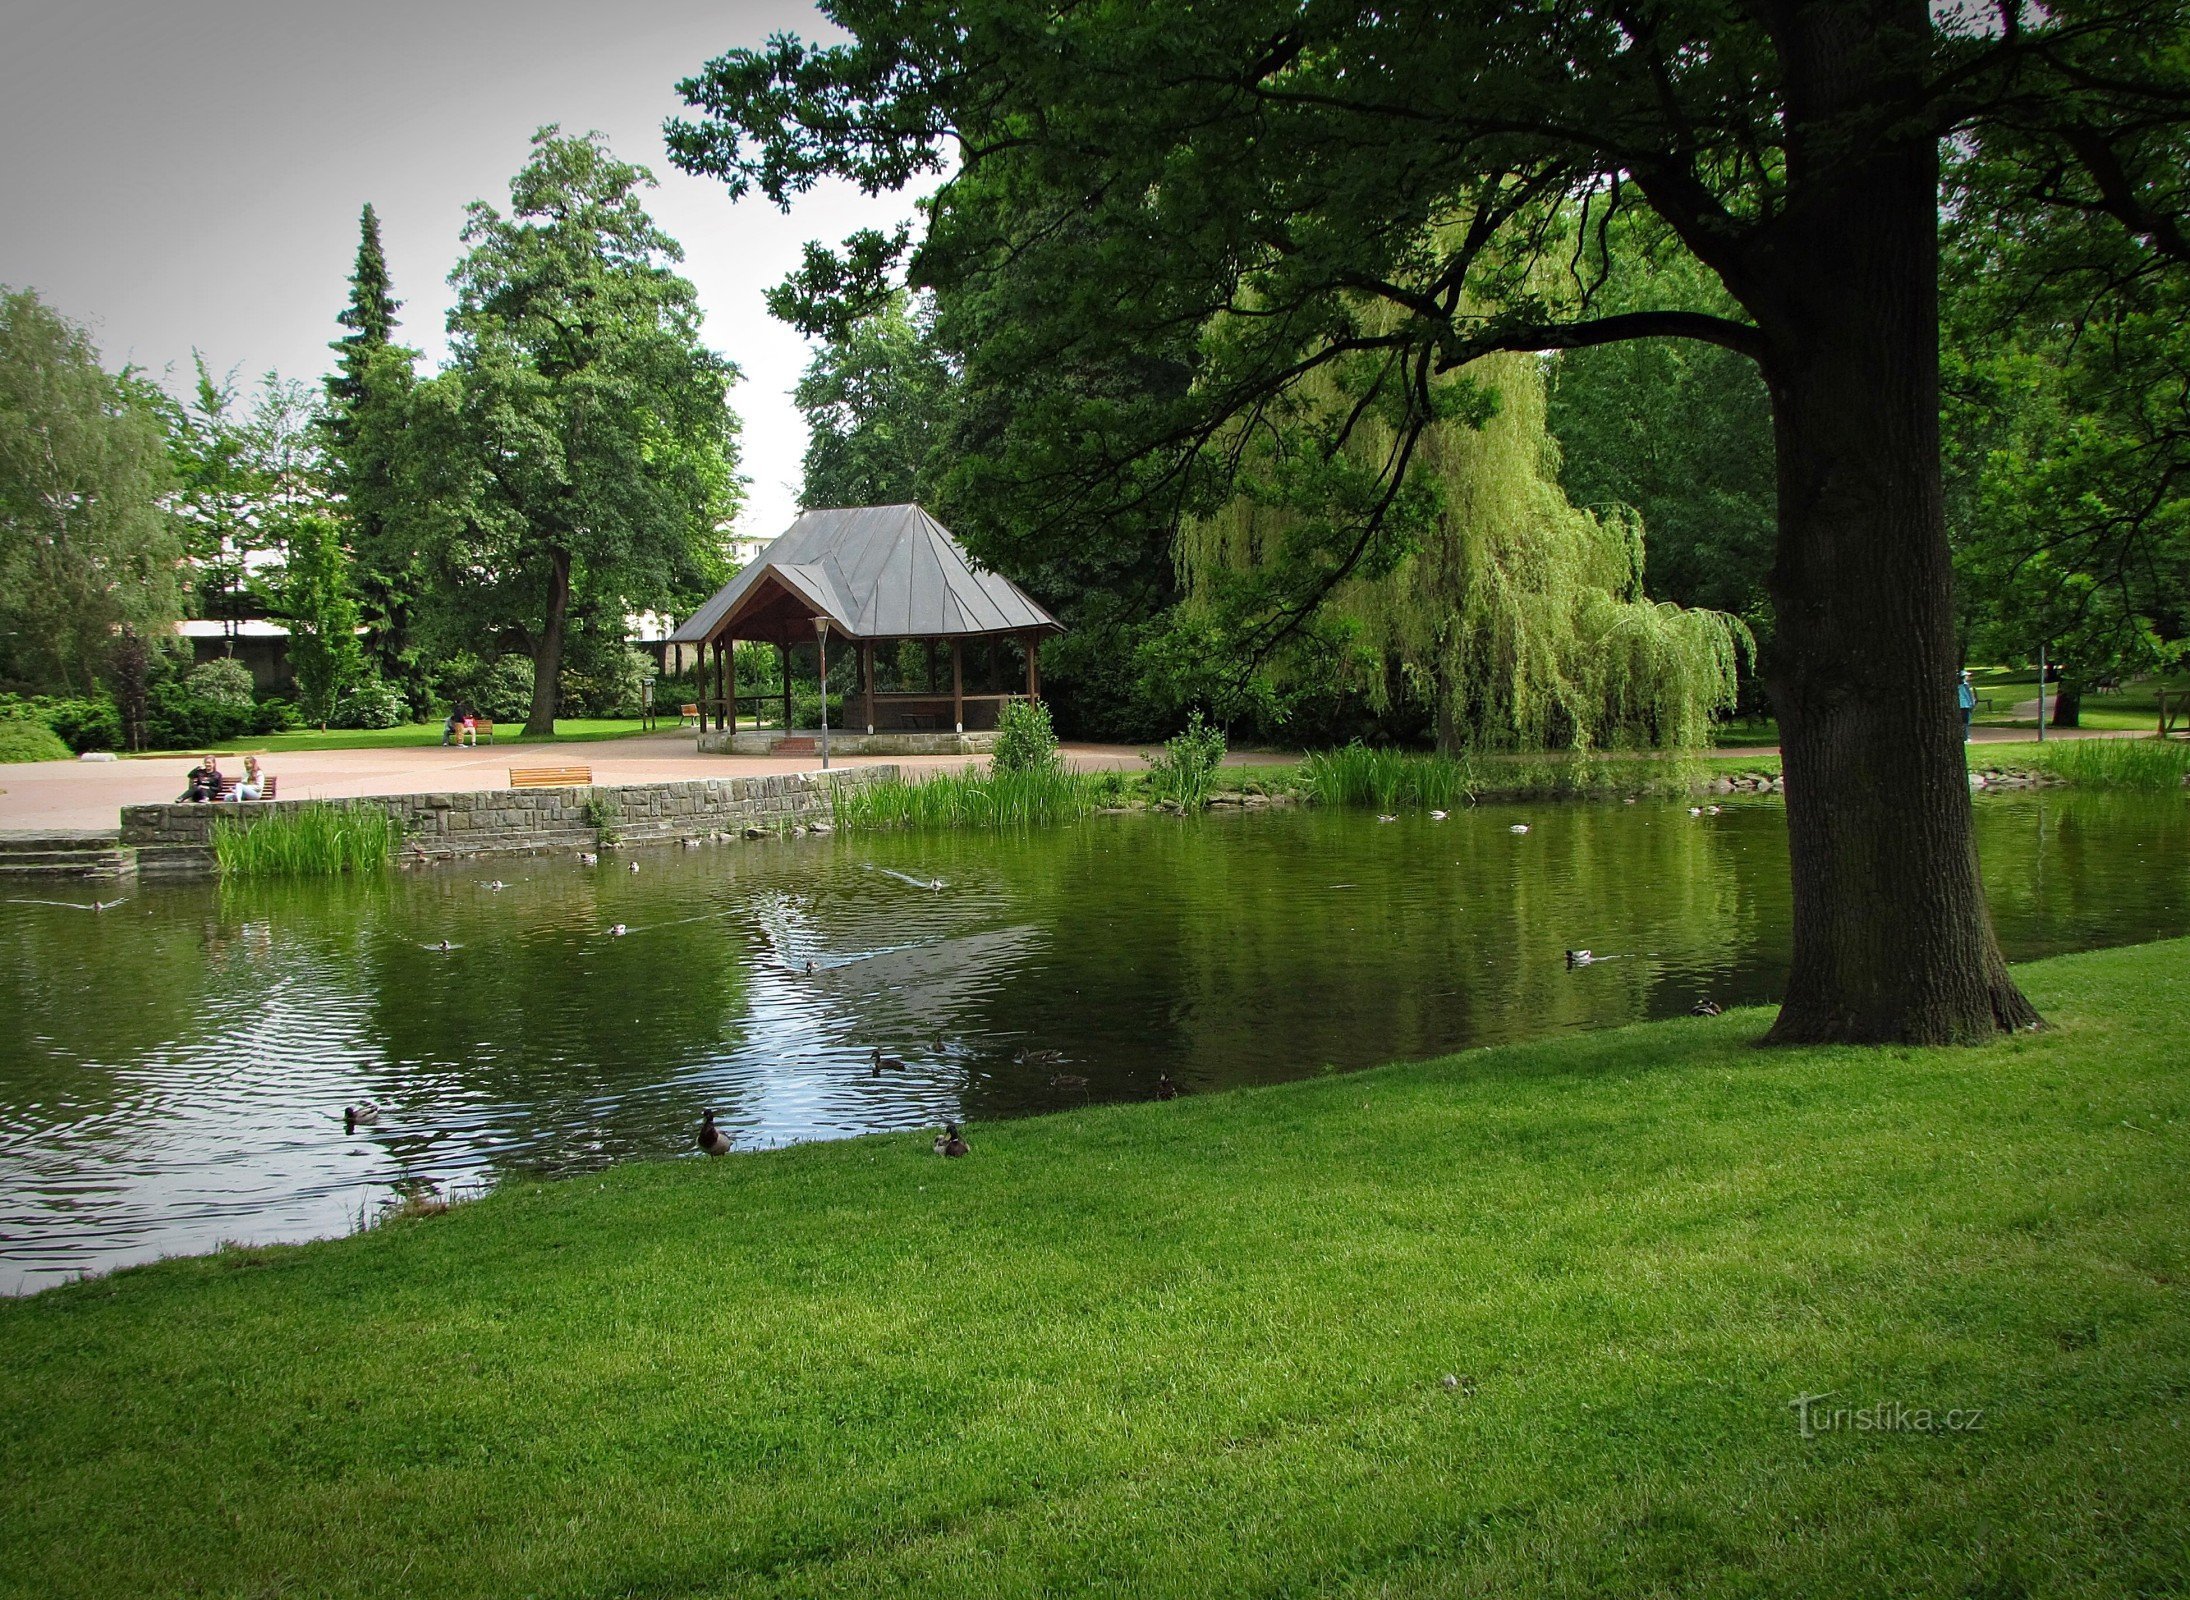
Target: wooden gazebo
[{"x": 870, "y": 576}]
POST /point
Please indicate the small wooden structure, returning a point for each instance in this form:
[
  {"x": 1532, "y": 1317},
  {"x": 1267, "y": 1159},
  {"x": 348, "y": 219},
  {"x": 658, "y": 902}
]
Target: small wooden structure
[{"x": 871, "y": 576}]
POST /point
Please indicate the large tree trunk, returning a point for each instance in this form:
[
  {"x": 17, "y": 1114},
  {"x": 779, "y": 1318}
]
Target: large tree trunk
[
  {"x": 1892, "y": 940},
  {"x": 547, "y": 651}
]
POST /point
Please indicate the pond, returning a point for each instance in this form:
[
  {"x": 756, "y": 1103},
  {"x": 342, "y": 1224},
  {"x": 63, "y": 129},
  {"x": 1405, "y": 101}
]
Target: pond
[{"x": 174, "y": 1071}]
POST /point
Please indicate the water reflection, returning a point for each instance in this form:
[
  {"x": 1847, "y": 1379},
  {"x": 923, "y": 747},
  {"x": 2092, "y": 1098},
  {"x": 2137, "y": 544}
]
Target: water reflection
[{"x": 174, "y": 1071}]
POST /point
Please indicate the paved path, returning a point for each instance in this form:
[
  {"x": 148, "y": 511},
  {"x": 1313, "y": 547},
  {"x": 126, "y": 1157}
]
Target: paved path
[{"x": 90, "y": 794}]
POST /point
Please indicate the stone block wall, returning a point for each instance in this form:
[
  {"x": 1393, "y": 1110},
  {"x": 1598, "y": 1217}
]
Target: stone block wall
[{"x": 177, "y": 840}]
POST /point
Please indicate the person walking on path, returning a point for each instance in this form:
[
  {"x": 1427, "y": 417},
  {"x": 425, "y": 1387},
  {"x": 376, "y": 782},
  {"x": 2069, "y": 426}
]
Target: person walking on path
[{"x": 1965, "y": 696}]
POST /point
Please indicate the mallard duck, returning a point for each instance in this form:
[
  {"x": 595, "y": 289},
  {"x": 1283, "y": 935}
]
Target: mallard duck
[
  {"x": 618, "y": 931},
  {"x": 712, "y": 1139},
  {"x": 1579, "y": 958},
  {"x": 634, "y": 866},
  {"x": 444, "y": 947},
  {"x": 1711, "y": 811},
  {"x": 1039, "y": 1058},
  {"x": 1165, "y": 1088},
  {"x": 1695, "y": 811},
  {"x": 1705, "y": 1007},
  {"x": 1067, "y": 1080},
  {"x": 496, "y": 884},
  {"x": 953, "y": 1143},
  {"x": 362, "y": 1115},
  {"x": 1384, "y": 818},
  {"x": 810, "y": 969},
  {"x": 882, "y": 1063},
  {"x": 587, "y": 858},
  {"x": 1437, "y": 816},
  {"x": 1518, "y": 827}
]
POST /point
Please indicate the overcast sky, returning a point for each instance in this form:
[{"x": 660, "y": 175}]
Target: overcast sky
[{"x": 188, "y": 173}]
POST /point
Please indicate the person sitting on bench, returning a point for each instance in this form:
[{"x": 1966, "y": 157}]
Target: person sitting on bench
[
  {"x": 252, "y": 785},
  {"x": 204, "y": 781}
]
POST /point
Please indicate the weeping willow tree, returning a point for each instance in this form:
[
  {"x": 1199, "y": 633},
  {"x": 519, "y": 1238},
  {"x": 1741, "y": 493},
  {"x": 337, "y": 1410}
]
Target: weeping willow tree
[{"x": 1516, "y": 618}]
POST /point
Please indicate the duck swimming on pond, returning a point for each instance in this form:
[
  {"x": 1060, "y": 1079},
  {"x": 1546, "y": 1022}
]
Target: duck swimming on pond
[
  {"x": 1437, "y": 816},
  {"x": 1039, "y": 1058},
  {"x": 1518, "y": 827},
  {"x": 634, "y": 866},
  {"x": 1068, "y": 1080},
  {"x": 587, "y": 858},
  {"x": 1382, "y": 818},
  {"x": 618, "y": 931},
  {"x": 1579, "y": 958},
  {"x": 362, "y": 1115},
  {"x": 712, "y": 1139},
  {"x": 881, "y": 1063}
]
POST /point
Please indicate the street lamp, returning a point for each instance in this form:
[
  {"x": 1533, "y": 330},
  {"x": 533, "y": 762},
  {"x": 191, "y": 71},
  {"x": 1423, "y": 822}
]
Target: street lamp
[{"x": 821, "y": 650}]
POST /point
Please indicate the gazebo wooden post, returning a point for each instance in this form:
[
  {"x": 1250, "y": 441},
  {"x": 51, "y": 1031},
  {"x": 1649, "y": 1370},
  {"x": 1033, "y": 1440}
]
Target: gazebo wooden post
[
  {"x": 730, "y": 654},
  {"x": 866, "y": 669},
  {"x": 958, "y": 686},
  {"x": 1033, "y": 642},
  {"x": 784, "y": 650}
]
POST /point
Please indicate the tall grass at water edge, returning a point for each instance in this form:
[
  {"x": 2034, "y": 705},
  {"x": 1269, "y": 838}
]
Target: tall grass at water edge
[
  {"x": 2117, "y": 763},
  {"x": 312, "y": 841},
  {"x": 975, "y": 798},
  {"x": 1389, "y": 780}
]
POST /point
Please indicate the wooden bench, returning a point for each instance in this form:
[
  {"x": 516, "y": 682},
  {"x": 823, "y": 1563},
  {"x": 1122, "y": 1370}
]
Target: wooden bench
[
  {"x": 549, "y": 777},
  {"x": 481, "y": 731},
  {"x": 689, "y": 714}
]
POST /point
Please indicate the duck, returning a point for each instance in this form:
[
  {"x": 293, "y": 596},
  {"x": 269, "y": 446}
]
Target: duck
[
  {"x": 496, "y": 884},
  {"x": 1695, "y": 811},
  {"x": 444, "y": 947},
  {"x": 618, "y": 931},
  {"x": 1067, "y": 1080},
  {"x": 109, "y": 905},
  {"x": 1039, "y": 1058},
  {"x": 362, "y": 1115},
  {"x": 1518, "y": 827},
  {"x": 587, "y": 858},
  {"x": 1165, "y": 1088},
  {"x": 1706, "y": 1007},
  {"x": 1711, "y": 811},
  {"x": 881, "y": 1063},
  {"x": 1579, "y": 958},
  {"x": 689, "y": 843},
  {"x": 1382, "y": 817},
  {"x": 1437, "y": 816},
  {"x": 810, "y": 969},
  {"x": 634, "y": 866},
  {"x": 712, "y": 1139},
  {"x": 951, "y": 1142}
]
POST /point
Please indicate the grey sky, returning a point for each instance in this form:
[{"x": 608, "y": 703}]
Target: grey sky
[{"x": 188, "y": 172}]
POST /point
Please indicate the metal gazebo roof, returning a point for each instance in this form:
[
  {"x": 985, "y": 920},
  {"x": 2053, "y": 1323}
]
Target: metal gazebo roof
[{"x": 876, "y": 572}]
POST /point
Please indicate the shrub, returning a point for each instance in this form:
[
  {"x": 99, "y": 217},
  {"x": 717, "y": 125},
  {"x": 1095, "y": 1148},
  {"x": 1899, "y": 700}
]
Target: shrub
[
  {"x": 611, "y": 686},
  {"x": 373, "y": 703},
  {"x": 84, "y": 722},
  {"x": 22, "y": 739},
  {"x": 1182, "y": 773},
  {"x": 175, "y": 717},
  {"x": 504, "y": 690},
  {"x": 1025, "y": 740},
  {"x": 1361, "y": 775},
  {"x": 223, "y": 681}
]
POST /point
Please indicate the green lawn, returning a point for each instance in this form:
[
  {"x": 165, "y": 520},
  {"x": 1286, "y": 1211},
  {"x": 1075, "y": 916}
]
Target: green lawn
[
  {"x": 416, "y": 735},
  {"x": 1202, "y": 1348}
]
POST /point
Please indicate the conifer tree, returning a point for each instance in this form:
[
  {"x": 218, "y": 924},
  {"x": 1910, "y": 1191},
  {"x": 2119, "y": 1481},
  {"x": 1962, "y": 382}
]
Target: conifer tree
[{"x": 367, "y": 396}]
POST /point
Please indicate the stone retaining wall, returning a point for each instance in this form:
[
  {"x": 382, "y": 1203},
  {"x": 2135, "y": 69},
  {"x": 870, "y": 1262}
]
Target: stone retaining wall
[
  {"x": 896, "y": 742},
  {"x": 177, "y": 840}
]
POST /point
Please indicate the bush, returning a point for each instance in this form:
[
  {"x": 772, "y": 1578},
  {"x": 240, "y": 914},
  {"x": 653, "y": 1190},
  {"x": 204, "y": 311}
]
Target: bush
[
  {"x": 86, "y": 722},
  {"x": 1182, "y": 773},
  {"x": 176, "y": 717},
  {"x": 223, "y": 681},
  {"x": 1025, "y": 740},
  {"x": 373, "y": 703},
  {"x": 611, "y": 686},
  {"x": 22, "y": 739},
  {"x": 503, "y": 691}
]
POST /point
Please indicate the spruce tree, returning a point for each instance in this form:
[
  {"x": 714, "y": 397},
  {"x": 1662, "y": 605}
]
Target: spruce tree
[{"x": 368, "y": 394}]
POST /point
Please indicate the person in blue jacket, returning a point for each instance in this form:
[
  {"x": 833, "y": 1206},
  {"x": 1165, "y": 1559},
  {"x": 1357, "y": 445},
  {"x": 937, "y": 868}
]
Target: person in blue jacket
[{"x": 1965, "y": 696}]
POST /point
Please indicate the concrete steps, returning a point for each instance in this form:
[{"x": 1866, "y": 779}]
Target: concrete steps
[{"x": 65, "y": 853}]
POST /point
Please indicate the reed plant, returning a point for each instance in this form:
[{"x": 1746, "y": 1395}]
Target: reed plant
[
  {"x": 311, "y": 841},
  {"x": 973, "y": 798},
  {"x": 2118, "y": 763},
  {"x": 1386, "y": 780}
]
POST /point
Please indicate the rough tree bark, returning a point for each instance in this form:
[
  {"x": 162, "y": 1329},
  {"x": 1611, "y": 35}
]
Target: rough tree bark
[
  {"x": 547, "y": 650},
  {"x": 1892, "y": 939}
]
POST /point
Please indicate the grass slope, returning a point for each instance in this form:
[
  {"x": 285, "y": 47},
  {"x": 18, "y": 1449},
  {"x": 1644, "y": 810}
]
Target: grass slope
[
  {"x": 1198, "y": 1348},
  {"x": 424, "y": 735}
]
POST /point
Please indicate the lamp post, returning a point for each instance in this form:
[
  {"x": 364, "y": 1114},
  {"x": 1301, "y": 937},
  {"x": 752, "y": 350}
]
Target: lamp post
[{"x": 821, "y": 651}]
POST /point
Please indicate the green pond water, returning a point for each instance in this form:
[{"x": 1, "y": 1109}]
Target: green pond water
[{"x": 173, "y": 1072}]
